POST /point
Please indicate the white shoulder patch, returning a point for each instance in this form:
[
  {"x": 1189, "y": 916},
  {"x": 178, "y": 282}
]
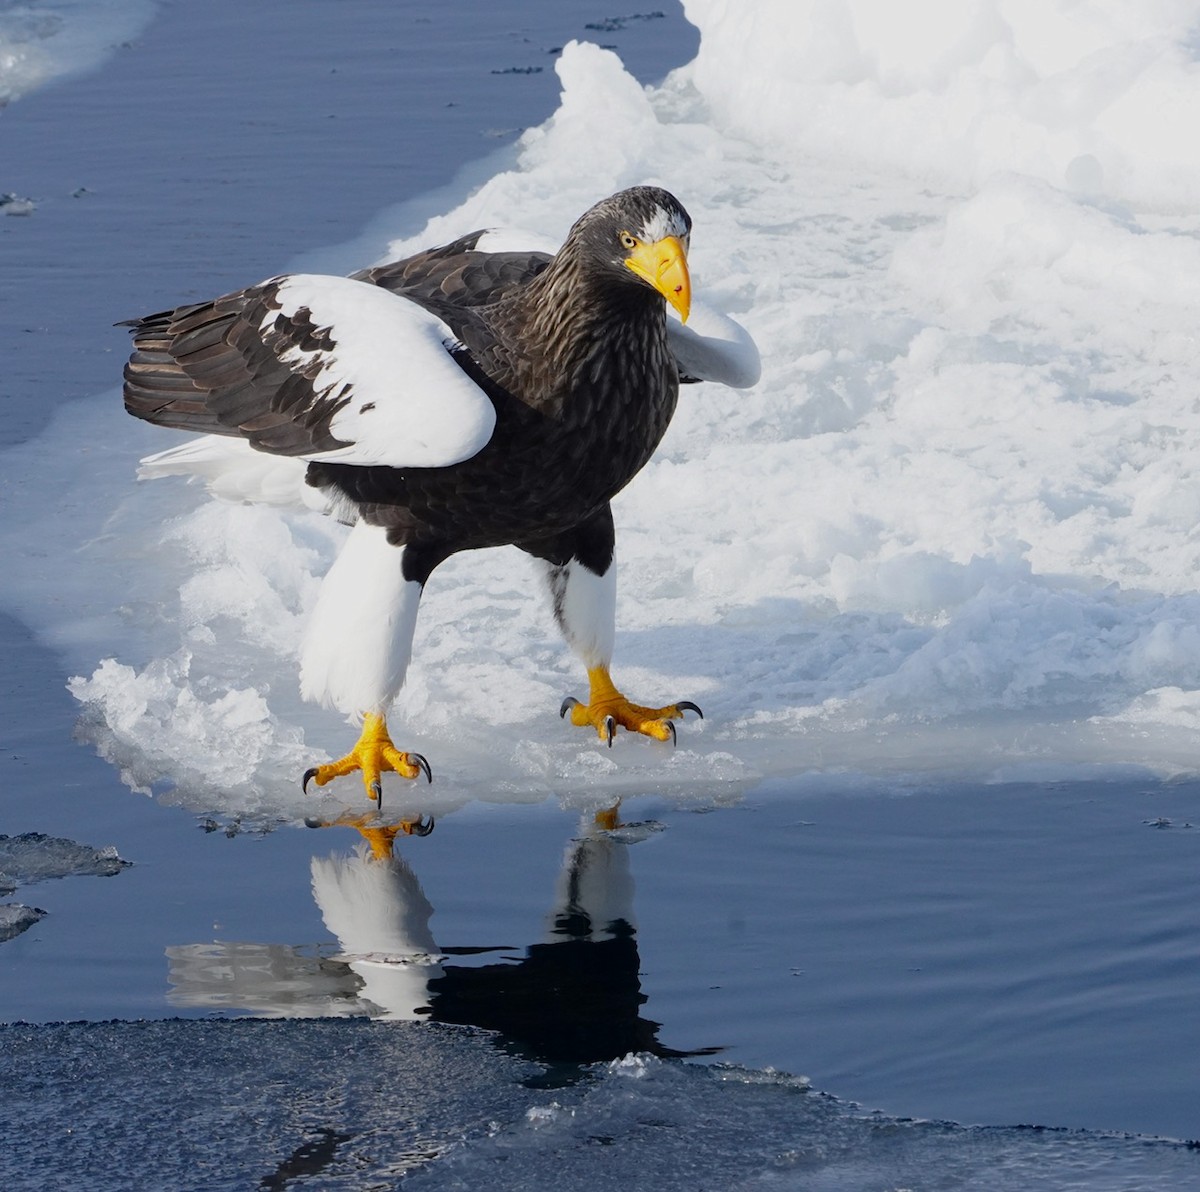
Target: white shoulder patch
[{"x": 410, "y": 405}]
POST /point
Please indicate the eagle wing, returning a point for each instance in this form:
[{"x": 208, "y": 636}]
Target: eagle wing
[
  {"x": 458, "y": 277},
  {"x": 713, "y": 347},
  {"x": 323, "y": 368}
]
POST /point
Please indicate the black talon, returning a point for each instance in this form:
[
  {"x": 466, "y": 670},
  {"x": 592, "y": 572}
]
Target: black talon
[
  {"x": 671, "y": 725},
  {"x": 687, "y": 706},
  {"x": 418, "y": 761},
  {"x": 312, "y": 821},
  {"x": 610, "y": 729},
  {"x": 567, "y": 705},
  {"x": 307, "y": 775},
  {"x": 377, "y": 793},
  {"x": 420, "y": 828}
]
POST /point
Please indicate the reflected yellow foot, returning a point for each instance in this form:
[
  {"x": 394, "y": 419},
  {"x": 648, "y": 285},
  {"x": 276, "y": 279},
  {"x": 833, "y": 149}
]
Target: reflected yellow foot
[
  {"x": 381, "y": 837},
  {"x": 607, "y": 708},
  {"x": 373, "y": 755}
]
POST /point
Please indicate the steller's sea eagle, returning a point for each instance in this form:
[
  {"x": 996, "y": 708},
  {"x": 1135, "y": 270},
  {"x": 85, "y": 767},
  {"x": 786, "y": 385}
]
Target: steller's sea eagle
[{"x": 453, "y": 400}]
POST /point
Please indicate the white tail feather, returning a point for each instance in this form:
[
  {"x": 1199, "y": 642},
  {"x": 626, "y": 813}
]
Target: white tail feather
[{"x": 233, "y": 471}]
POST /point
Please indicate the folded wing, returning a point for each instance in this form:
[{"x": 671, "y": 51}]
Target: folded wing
[{"x": 324, "y": 368}]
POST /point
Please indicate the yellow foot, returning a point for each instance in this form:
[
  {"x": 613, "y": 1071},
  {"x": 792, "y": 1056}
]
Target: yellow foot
[
  {"x": 381, "y": 837},
  {"x": 373, "y": 754},
  {"x": 607, "y": 708}
]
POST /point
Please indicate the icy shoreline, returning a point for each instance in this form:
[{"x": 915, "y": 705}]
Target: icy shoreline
[
  {"x": 54, "y": 39},
  {"x": 950, "y": 532}
]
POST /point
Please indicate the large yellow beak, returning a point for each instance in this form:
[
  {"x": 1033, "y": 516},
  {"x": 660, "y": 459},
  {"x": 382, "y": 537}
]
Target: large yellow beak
[{"x": 664, "y": 265}]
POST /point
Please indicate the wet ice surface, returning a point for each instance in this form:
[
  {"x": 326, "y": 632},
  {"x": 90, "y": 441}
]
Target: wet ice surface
[{"x": 352, "y": 1105}]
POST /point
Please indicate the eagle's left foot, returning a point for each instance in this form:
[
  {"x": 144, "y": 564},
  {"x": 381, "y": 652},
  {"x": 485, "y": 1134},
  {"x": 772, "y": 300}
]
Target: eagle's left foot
[
  {"x": 607, "y": 708},
  {"x": 373, "y": 754}
]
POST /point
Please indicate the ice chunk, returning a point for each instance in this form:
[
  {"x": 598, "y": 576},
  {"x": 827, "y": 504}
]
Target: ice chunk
[
  {"x": 36, "y": 857},
  {"x": 16, "y": 917},
  {"x": 962, "y": 91}
]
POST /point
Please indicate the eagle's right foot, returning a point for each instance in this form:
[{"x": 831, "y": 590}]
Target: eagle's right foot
[{"x": 373, "y": 754}]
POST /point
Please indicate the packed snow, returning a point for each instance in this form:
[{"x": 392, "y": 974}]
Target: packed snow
[{"x": 950, "y": 534}]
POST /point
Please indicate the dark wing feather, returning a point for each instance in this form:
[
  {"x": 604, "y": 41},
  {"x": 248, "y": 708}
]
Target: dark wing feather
[
  {"x": 456, "y": 277},
  {"x": 208, "y": 368}
]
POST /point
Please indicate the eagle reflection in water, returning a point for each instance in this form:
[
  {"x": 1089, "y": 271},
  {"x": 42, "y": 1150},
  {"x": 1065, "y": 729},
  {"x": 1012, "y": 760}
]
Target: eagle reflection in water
[{"x": 574, "y": 998}]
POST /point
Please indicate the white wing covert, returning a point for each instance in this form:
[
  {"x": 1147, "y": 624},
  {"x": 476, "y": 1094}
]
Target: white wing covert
[{"x": 401, "y": 399}]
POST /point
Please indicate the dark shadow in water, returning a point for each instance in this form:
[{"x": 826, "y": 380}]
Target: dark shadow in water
[
  {"x": 577, "y": 997},
  {"x": 571, "y": 999},
  {"x": 310, "y": 1158}
]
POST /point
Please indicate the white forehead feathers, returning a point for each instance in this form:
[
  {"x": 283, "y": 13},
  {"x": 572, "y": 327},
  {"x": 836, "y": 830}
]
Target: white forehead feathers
[{"x": 664, "y": 223}]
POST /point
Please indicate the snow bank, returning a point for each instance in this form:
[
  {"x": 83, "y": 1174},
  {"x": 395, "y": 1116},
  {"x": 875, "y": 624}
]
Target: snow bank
[
  {"x": 952, "y": 532},
  {"x": 1099, "y": 97}
]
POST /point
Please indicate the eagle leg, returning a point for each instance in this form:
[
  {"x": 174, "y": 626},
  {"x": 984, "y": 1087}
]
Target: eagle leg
[
  {"x": 373, "y": 754},
  {"x": 607, "y": 708},
  {"x": 579, "y": 570}
]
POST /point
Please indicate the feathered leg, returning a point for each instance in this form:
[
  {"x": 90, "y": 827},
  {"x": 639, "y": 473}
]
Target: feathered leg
[
  {"x": 580, "y": 574},
  {"x": 357, "y": 649}
]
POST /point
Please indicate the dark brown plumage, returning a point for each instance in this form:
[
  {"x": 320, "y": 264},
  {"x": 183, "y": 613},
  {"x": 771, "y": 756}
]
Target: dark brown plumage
[{"x": 571, "y": 350}]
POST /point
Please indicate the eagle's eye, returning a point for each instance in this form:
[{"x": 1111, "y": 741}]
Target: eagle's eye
[{"x": 628, "y": 241}]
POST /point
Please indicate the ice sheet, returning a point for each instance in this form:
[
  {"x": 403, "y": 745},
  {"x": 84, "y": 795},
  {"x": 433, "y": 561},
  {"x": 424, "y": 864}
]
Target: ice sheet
[{"x": 189, "y": 1102}]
